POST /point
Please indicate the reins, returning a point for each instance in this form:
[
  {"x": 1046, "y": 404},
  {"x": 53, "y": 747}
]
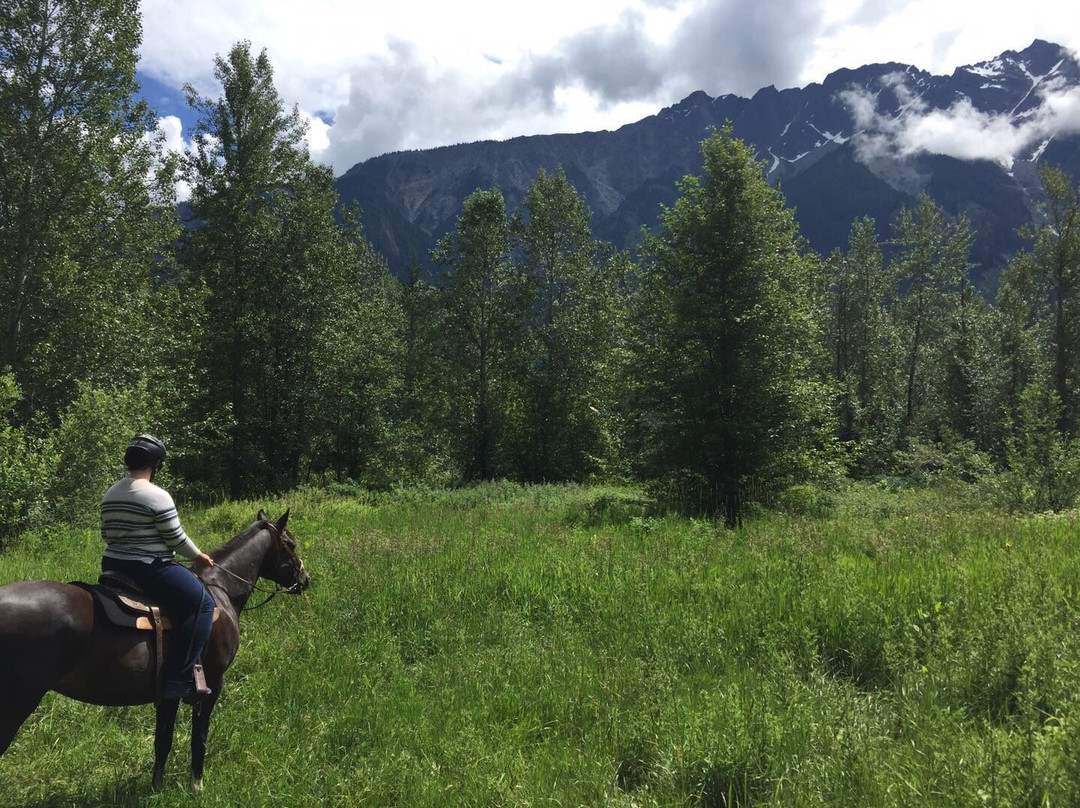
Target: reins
[
  {"x": 255, "y": 588},
  {"x": 270, "y": 526}
]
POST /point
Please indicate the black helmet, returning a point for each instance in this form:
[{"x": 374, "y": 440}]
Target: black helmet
[{"x": 143, "y": 448}]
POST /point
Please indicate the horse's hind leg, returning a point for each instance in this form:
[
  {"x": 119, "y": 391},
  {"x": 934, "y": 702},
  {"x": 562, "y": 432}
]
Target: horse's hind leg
[{"x": 15, "y": 708}]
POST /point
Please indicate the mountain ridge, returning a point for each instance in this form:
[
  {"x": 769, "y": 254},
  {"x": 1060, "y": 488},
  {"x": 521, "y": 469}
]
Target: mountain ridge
[{"x": 845, "y": 147}]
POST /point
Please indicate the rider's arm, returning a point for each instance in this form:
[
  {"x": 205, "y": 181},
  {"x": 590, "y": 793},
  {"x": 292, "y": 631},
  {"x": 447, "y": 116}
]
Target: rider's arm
[{"x": 172, "y": 533}]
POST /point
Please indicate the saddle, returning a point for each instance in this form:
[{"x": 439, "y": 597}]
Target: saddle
[{"x": 124, "y": 603}]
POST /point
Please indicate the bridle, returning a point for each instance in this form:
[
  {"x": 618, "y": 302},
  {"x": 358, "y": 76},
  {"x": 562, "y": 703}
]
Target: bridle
[{"x": 292, "y": 589}]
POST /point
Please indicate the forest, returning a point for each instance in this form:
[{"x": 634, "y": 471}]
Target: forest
[{"x": 721, "y": 364}]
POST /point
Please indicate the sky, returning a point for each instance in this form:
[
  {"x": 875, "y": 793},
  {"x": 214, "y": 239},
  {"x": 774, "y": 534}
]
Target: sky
[{"x": 376, "y": 76}]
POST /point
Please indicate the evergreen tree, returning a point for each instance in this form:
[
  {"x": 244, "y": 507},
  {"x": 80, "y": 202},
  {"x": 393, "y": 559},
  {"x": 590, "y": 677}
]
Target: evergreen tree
[{"x": 727, "y": 336}]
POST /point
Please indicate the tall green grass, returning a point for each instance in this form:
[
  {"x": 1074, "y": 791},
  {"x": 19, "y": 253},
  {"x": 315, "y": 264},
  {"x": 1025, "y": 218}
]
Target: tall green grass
[{"x": 569, "y": 646}]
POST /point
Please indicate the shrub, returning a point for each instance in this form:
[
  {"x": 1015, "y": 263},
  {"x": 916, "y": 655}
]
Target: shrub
[
  {"x": 1043, "y": 469},
  {"x": 807, "y": 500},
  {"x": 90, "y": 442},
  {"x": 26, "y": 467}
]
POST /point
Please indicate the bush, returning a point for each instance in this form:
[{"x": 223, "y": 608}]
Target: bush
[
  {"x": 27, "y": 465},
  {"x": 807, "y": 500},
  {"x": 94, "y": 431},
  {"x": 1043, "y": 469}
]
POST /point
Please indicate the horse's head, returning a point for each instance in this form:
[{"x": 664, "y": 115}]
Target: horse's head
[{"x": 282, "y": 565}]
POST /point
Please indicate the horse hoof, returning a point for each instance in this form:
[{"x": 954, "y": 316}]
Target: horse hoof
[{"x": 197, "y": 785}]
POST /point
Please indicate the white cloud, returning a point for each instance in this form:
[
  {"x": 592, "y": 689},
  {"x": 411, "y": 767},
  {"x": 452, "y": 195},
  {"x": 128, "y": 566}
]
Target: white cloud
[
  {"x": 171, "y": 131},
  {"x": 933, "y": 35},
  {"x": 961, "y": 131},
  {"x": 318, "y": 135},
  {"x": 416, "y": 74}
]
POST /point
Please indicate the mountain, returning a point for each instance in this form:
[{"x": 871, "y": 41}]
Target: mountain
[{"x": 864, "y": 142}]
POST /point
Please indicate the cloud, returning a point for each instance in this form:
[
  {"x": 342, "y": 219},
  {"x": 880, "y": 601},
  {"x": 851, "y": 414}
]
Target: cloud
[
  {"x": 401, "y": 98},
  {"x": 961, "y": 131},
  {"x": 411, "y": 74},
  {"x": 740, "y": 47},
  {"x": 171, "y": 131},
  {"x": 721, "y": 47},
  {"x": 317, "y": 136},
  {"x": 616, "y": 63}
]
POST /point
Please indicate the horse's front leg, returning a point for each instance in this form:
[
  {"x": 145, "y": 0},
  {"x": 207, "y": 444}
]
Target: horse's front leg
[
  {"x": 163, "y": 737},
  {"x": 200, "y": 728}
]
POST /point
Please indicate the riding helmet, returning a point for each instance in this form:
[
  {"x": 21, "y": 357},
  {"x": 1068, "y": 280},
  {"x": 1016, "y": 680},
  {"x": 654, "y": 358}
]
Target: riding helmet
[{"x": 151, "y": 445}]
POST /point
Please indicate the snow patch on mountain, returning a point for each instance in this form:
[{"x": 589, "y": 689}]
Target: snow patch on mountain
[{"x": 987, "y": 70}]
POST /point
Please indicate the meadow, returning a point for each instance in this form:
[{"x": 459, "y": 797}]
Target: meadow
[{"x": 564, "y": 645}]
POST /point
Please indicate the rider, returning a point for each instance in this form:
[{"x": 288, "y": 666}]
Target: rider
[{"x": 142, "y": 530}]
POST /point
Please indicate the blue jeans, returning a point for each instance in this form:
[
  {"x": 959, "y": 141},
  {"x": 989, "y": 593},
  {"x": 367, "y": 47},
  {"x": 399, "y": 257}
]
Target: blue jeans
[{"x": 186, "y": 601}]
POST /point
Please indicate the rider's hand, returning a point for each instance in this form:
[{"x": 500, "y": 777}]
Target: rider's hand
[{"x": 202, "y": 559}]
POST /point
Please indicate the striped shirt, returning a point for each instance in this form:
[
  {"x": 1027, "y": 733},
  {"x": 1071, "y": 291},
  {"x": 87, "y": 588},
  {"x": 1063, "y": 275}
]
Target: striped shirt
[{"x": 139, "y": 523}]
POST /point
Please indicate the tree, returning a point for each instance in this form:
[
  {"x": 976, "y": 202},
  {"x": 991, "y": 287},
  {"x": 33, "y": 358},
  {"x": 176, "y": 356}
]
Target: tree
[
  {"x": 727, "y": 336},
  {"x": 425, "y": 415},
  {"x": 285, "y": 286},
  {"x": 931, "y": 267},
  {"x": 484, "y": 303},
  {"x": 971, "y": 407},
  {"x": 1038, "y": 331},
  {"x": 357, "y": 358},
  {"x": 85, "y": 199},
  {"x": 863, "y": 346},
  {"x": 1053, "y": 268},
  {"x": 1022, "y": 341},
  {"x": 568, "y": 388}
]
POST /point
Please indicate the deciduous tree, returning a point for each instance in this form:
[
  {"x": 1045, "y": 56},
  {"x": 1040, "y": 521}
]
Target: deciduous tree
[
  {"x": 484, "y": 301},
  {"x": 286, "y": 292},
  {"x": 567, "y": 392},
  {"x": 86, "y": 199}
]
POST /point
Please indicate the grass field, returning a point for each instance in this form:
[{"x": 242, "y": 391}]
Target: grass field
[{"x": 567, "y": 646}]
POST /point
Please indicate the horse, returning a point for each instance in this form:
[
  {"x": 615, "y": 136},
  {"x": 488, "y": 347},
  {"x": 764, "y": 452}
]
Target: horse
[{"x": 53, "y": 637}]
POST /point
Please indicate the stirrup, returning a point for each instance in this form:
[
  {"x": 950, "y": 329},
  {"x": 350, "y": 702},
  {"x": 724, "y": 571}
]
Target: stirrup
[{"x": 201, "y": 691}]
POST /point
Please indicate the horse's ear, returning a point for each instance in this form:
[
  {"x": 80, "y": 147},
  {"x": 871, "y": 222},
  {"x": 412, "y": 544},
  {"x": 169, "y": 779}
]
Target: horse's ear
[
  {"x": 280, "y": 523},
  {"x": 263, "y": 516}
]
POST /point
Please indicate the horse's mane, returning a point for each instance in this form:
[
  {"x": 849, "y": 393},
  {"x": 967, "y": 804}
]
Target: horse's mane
[{"x": 227, "y": 549}]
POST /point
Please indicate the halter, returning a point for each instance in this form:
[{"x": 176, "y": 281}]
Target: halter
[{"x": 293, "y": 589}]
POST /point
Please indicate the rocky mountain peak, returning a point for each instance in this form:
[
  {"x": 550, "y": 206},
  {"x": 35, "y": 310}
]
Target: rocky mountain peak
[{"x": 864, "y": 142}]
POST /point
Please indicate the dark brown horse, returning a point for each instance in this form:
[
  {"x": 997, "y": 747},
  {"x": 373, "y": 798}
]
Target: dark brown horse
[{"x": 53, "y": 638}]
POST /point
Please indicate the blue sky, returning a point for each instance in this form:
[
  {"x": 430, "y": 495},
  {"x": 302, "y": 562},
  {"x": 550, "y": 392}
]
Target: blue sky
[{"x": 166, "y": 99}]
